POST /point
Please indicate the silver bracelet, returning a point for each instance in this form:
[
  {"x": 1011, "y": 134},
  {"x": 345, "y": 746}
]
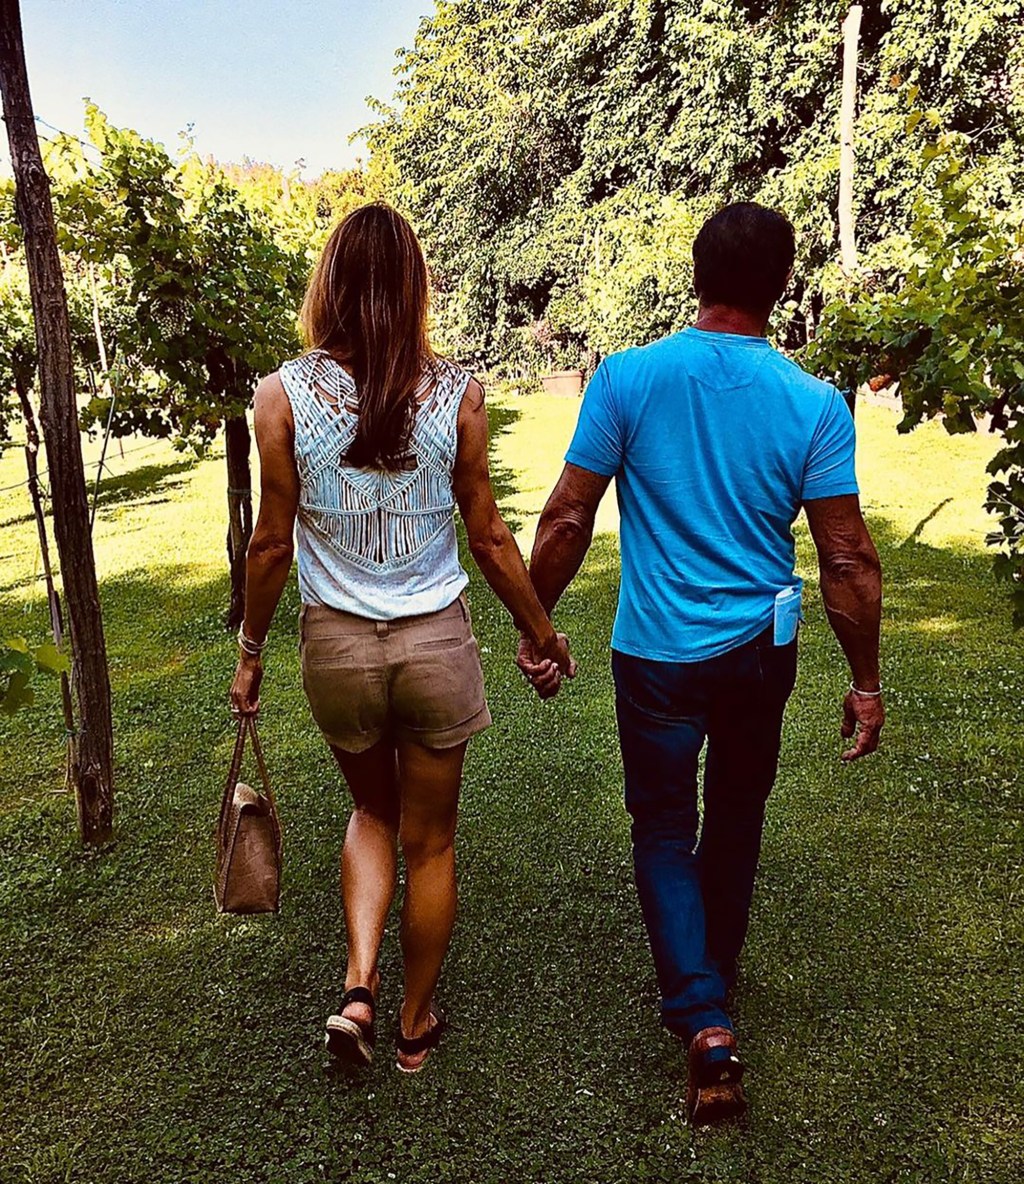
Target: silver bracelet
[
  {"x": 867, "y": 694},
  {"x": 250, "y": 647}
]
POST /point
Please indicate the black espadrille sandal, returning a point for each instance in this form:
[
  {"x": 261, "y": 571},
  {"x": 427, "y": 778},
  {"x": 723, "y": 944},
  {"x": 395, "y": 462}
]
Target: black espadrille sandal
[
  {"x": 352, "y": 1041},
  {"x": 410, "y": 1047}
]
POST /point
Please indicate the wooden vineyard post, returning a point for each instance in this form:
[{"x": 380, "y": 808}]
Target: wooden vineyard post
[
  {"x": 847, "y": 155},
  {"x": 238, "y": 444},
  {"x": 56, "y": 615},
  {"x": 94, "y": 779},
  {"x": 108, "y": 390}
]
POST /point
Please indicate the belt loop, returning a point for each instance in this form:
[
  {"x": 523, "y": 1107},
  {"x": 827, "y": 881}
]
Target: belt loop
[
  {"x": 464, "y": 606},
  {"x": 382, "y": 628}
]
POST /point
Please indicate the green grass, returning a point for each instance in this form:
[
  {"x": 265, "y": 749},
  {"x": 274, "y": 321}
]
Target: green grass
[{"x": 145, "y": 1039}]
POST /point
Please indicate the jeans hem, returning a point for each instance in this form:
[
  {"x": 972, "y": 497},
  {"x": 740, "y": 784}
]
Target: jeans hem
[{"x": 685, "y": 1029}]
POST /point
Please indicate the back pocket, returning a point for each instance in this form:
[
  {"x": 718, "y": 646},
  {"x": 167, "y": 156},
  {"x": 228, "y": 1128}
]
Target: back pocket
[
  {"x": 329, "y": 651},
  {"x": 438, "y": 643}
]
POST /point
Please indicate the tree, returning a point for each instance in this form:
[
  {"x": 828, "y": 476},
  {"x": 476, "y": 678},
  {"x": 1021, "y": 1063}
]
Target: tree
[
  {"x": 521, "y": 132},
  {"x": 214, "y": 298},
  {"x": 301, "y": 213},
  {"x": 559, "y": 159},
  {"x": 94, "y": 782},
  {"x": 18, "y": 360},
  {"x": 18, "y": 367},
  {"x": 940, "y": 312}
]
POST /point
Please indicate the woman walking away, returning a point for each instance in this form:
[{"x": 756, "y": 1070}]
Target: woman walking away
[{"x": 367, "y": 443}]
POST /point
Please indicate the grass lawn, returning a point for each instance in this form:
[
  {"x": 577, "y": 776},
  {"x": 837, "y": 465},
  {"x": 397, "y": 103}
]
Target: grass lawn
[{"x": 146, "y": 1039}]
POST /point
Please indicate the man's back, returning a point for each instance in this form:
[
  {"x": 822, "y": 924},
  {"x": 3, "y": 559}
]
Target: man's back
[{"x": 715, "y": 440}]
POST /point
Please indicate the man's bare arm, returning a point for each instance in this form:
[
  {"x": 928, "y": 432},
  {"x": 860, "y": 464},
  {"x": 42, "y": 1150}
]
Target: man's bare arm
[
  {"x": 565, "y": 531},
  {"x": 851, "y": 587}
]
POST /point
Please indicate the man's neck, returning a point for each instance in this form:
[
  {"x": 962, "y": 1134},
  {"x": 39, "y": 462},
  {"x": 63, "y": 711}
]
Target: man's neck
[{"x": 722, "y": 318}]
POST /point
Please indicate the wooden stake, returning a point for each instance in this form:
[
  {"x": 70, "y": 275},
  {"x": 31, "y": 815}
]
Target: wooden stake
[
  {"x": 238, "y": 443},
  {"x": 847, "y": 155},
  {"x": 56, "y": 613},
  {"x": 108, "y": 390},
  {"x": 59, "y": 416}
]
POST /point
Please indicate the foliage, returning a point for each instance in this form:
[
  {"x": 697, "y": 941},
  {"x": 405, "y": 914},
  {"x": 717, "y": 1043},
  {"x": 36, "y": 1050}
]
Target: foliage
[
  {"x": 17, "y": 325},
  {"x": 17, "y": 343},
  {"x": 637, "y": 282},
  {"x": 212, "y": 294},
  {"x": 886, "y": 903},
  {"x": 198, "y": 269},
  {"x": 940, "y": 311},
  {"x": 302, "y": 213},
  {"x": 560, "y": 157},
  {"x": 18, "y": 663},
  {"x": 522, "y": 133}
]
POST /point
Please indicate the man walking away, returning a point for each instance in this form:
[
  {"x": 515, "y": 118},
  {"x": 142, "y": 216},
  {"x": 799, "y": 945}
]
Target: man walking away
[{"x": 716, "y": 441}]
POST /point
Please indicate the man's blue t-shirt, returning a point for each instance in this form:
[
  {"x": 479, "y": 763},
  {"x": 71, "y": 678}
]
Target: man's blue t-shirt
[{"x": 715, "y": 441}]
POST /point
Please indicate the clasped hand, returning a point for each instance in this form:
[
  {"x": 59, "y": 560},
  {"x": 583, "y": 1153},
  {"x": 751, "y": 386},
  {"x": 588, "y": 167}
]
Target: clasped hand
[{"x": 545, "y": 671}]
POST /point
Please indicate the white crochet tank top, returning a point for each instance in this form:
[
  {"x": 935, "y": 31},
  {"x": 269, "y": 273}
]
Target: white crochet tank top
[{"x": 380, "y": 545}]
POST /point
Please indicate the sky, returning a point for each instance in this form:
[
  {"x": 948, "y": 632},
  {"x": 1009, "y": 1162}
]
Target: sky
[{"x": 275, "y": 80}]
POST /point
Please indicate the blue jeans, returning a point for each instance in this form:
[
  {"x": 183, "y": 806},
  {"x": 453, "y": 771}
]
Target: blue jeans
[{"x": 696, "y": 898}]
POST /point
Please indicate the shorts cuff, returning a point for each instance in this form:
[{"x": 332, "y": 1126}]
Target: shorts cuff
[
  {"x": 355, "y": 744},
  {"x": 449, "y": 737}
]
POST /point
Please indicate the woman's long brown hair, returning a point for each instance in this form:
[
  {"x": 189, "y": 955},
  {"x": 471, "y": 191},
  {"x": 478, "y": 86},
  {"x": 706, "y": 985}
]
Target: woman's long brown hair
[{"x": 366, "y": 305}]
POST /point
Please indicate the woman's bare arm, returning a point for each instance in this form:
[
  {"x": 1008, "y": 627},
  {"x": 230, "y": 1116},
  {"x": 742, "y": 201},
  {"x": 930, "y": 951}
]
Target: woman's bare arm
[
  {"x": 269, "y": 558},
  {"x": 490, "y": 540}
]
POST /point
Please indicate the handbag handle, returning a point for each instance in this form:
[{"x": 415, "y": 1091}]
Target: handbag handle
[{"x": 246, "y": 726}]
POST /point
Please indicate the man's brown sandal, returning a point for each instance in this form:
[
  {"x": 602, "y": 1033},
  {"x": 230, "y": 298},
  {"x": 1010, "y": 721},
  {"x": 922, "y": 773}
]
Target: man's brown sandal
[
  {"x": 349, "y": 1040},
  {"x": 413, "y": 1046},
  {"x": 714, "y": 1092}
]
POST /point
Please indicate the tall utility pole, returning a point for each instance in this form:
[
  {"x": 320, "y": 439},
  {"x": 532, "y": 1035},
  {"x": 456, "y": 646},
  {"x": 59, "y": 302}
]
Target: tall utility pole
[
  {"x": 847, "y": 155},
  {"x": 94, "y": 776}
]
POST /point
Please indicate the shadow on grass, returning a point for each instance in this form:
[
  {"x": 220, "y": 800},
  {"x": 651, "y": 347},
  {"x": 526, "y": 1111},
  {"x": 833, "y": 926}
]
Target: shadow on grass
[
  {"x": 501, "y": 419},
  {"x": 151, "y": 484},
  {"x": 140, "y": 484},
  {"x": 126, "y": 488},
  {"x": 918, "y": 530},
  {"x": 883, "y": 958}
]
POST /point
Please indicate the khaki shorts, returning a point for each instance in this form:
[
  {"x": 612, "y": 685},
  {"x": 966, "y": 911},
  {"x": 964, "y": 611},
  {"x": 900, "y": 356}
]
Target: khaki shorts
[{"x": 415, "y": 678}]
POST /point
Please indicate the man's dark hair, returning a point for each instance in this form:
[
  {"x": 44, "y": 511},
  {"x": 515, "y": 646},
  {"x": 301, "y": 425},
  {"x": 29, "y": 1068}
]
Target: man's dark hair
[{"x": 742, "y": 257}]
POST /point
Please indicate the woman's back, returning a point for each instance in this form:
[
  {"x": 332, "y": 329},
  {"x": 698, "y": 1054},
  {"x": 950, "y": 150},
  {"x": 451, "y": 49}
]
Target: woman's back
[
  {"x": 379, "y": 544},
  {"x": 366, "y": 474}
]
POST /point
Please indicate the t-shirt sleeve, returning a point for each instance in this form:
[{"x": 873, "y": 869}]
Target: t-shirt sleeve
[
  {"x": 830, "y": 470},
  {"x": 597, "y": 445}
]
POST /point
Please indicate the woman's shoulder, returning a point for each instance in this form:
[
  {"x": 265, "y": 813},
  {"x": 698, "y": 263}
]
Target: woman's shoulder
[
  {"x": 271, "y": 403},
  {"x": 269, "y": 387}
]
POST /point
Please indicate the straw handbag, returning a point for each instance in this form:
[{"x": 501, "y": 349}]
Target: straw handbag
[{"x": 248, "y": 838}]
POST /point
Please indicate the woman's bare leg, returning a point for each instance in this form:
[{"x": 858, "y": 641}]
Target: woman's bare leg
[
  {"x": 368, "y": 861},
  {"x": 429, "y": 782}
]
